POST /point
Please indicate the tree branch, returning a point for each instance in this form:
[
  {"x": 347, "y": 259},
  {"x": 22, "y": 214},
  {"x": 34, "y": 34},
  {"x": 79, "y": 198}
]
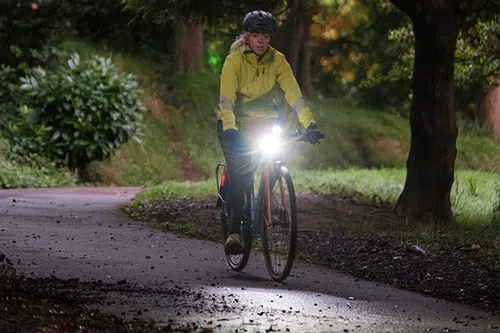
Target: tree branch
[
  {"x": 472, "y": 6},
  {"x": 407, "y": 6},
  {"x": 290, "y": 2}
]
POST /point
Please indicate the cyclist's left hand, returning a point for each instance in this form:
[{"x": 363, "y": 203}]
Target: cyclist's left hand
[{"x": 313, "y": 135}]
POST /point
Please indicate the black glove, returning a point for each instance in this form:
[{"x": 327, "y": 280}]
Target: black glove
[{"x": 313, "y": 135}]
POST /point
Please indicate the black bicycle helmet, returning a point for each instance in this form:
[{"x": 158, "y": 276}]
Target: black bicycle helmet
[{"x": 259, "y": 21}]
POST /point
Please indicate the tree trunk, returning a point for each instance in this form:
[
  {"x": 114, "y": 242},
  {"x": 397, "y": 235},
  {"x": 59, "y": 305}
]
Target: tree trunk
[
  {"x": 304, "y": 70},
  {"x": 491, "y": 109},
  {"x": 189, "y": 45},
  {"x": 431, "y": 161},
  {"x": 298, "y": 51},
  {"x": 293, "y": 49}
]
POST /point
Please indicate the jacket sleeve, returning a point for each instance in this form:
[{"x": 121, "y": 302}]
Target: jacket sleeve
[
  {"x": 227, "y": 98},
  {"x": 293, "y": 95}
]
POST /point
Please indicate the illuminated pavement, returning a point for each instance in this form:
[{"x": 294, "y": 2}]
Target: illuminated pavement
[{"x": 81, "y": 233}]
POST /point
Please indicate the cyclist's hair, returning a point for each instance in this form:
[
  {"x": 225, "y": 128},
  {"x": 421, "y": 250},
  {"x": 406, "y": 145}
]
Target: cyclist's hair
[{"x": 240, "y": 42}]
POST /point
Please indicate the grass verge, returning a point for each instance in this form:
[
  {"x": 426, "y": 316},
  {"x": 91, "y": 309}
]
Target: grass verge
[{"x": 474, "y": 198}]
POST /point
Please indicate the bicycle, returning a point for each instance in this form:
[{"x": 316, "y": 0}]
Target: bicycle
[{"x": 276, "y": 217}]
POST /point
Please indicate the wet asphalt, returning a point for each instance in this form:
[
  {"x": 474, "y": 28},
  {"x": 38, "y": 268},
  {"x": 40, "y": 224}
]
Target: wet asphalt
[{"x": 137, "y": 271}]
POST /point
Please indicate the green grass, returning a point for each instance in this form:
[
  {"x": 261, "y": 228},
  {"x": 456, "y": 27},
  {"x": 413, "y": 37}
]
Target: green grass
[
  {"x": 474, "y": 199},
  {"x": 16, "y": 175},
  {"x": 473, "y": 194},
  {"x": 19, "y": 176},
  {"x": 478, "y": 152},
  {"x": 170, "y": 190},
  {"x": 364, "y": 138},
  {"x": 384, "y": 184},
  {"x": 196, "y": 96},
  {"x": 355, "y": 137},
  {"x": 153, "y": 161}
]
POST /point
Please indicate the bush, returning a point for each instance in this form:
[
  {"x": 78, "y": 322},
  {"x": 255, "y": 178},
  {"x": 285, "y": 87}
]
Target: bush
[
  {"x": 78, "y": 113},
  {"x": 9, "y": 91}
]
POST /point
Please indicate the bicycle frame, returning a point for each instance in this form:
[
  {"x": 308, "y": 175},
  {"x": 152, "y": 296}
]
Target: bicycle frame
[
  {"x": 265, "y": 215},
  {"x": 268, "y": 165},
  {"x": 279, "y": 255},
  {"x": 264, "y": 188},
  {"x": 222, "y": 180}
]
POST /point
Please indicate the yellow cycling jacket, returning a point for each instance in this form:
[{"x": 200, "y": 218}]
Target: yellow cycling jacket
[{"x": 249, "y": 88}]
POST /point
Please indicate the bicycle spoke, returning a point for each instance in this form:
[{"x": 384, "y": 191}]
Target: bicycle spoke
[{"x": 280, "y": 229}]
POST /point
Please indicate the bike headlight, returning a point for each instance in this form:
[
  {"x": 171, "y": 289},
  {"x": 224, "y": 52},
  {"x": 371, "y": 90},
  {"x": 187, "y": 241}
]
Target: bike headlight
[
  {"x": 270, "y": 144},
  {"x": 276, "y": 130}
]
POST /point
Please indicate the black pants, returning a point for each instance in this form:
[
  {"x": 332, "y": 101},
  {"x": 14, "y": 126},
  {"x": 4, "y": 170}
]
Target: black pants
[{"x": 236, "y": 150}]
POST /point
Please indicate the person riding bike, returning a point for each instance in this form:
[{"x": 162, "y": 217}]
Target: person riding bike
[{"x": 255, "y": 80}]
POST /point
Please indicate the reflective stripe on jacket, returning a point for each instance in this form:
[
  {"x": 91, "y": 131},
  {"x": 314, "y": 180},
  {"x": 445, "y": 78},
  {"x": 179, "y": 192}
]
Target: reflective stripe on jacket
[{"x": 248, "y": 88}]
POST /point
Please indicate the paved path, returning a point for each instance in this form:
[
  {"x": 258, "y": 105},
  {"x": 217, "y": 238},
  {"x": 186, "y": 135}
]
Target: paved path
[{"x": 81, "y": 233}]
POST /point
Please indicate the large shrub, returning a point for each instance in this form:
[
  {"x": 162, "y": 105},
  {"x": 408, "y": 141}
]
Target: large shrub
[
  {"x": 9, "y": 91},
  {"x": 78, "y": 113}
]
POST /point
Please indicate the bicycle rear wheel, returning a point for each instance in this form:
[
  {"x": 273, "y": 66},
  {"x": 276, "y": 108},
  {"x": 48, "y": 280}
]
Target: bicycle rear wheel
[
  {"x": 239, "y": 261},
  {"x": 278, "y": 220}
]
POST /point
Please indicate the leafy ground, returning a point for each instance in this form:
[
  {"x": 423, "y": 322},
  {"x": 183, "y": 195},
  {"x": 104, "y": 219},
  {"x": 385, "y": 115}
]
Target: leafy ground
[{"x": 456, "y": 272}]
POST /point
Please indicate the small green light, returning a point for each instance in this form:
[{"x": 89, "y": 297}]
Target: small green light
[{"x": 214, "y": 59}]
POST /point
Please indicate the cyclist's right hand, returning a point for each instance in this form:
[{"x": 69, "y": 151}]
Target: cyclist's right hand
[{"x": 313, "y": 135}]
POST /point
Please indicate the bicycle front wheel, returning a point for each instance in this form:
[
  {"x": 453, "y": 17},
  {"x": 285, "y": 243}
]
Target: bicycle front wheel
[{"x": 277, "y": 211}]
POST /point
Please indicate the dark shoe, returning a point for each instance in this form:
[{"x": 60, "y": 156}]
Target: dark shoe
[{"x": 233, "y": 245}]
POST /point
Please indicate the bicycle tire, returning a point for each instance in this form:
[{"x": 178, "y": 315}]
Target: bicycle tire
[
  {"x": 238, "y": 262},
  {"x": 280, "y": 174}
]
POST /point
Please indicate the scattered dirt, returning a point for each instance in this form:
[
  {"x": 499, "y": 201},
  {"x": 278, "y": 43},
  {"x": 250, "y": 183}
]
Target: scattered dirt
[
  {"x": 51, "y": 305},
  {"x": 459, "y": 274}
]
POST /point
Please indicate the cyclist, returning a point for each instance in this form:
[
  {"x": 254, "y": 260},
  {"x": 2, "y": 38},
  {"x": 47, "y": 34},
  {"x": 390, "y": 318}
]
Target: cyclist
[{"x": 255, "y": 80}]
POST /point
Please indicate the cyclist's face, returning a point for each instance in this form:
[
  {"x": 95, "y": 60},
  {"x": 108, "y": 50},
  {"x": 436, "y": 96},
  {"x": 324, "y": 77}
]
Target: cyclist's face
[{"x": 259, "y": 42}]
